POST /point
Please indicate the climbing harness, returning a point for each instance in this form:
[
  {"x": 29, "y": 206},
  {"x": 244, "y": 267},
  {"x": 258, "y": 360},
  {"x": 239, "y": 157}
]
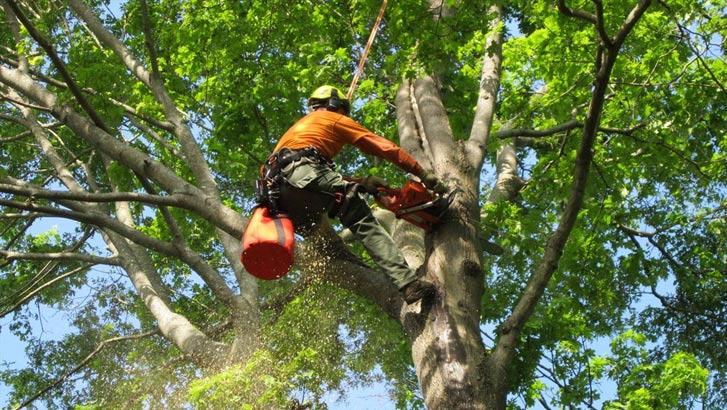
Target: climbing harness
[
  {"x": 268, "y": 186},
  {"x": 269, "y": 238}
]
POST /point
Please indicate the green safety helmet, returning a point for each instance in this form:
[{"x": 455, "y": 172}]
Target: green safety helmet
[{"x": 329, "y": 97}]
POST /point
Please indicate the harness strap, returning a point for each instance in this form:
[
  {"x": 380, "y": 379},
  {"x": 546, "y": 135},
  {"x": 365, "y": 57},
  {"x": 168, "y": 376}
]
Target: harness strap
[
  {"x": 342, "y": 200},
  {"x": 286, "y": 156},
  {"x": 267, "y": 188}
]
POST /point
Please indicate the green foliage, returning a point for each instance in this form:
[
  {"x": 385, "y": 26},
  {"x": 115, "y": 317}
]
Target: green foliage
[
  {"x": 651, "y": 168},
  {"x": 676, "y": 383},
  {"x": 261, "y": 384},
  {"x": 324, "y": 341},
  {"x": 646, "y": 254}
]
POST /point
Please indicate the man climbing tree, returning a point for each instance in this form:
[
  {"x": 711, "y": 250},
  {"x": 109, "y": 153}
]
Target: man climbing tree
[
  {"x": 301, "y": 173},
  {"x": 584, "y": 250}
]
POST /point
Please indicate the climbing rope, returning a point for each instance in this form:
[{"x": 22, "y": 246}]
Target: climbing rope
[{"x": 365, "y": 54}]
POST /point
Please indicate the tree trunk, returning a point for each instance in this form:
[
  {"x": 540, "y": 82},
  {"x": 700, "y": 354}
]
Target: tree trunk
[
  {"x": 448, "y": 352},
  {"x": 454, "y": 368}
]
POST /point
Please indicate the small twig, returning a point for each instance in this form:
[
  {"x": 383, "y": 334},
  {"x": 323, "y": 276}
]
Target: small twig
[{"x": 82, "y": 364}]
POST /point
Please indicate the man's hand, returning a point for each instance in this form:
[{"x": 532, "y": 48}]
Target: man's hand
[
  {"x": 432, "y": 182},
  {"x": 371, "y": 183}
]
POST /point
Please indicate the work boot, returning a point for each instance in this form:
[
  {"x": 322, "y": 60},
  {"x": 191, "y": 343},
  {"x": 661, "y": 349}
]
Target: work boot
[{"x": 417, "y": 290}]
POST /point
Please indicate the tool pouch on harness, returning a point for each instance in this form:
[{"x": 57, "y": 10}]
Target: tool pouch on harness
[
  {"x": 267, "y": 187},
  {"x": 267, "y": 193}
]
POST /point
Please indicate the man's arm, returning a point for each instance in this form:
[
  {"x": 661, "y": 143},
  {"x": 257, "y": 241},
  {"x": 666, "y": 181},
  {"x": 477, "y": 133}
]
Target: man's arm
[{"x": 381, "y": 147}]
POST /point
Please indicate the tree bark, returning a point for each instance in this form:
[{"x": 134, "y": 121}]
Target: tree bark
[
  {"x": 452, "y": 363},
  {"x": 446, "y": 346}
]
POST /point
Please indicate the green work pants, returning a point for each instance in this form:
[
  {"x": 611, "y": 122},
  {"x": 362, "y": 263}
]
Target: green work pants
[{"x": 316, "y": 188}]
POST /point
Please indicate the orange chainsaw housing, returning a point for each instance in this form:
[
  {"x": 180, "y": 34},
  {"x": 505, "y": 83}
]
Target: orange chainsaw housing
[{"x": 412, "y": 202}]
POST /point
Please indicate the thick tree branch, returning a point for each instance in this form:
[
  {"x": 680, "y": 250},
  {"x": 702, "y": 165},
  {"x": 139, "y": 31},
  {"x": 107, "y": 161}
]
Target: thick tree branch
[
  {"x": 511, "y": 328},
  {"x": 223, "y": 217},
  {"x": 59, "y": 256},
  {"x": 409, "y": 124},
  {"x": 522, "y": 132},
  {"x": 576, "y": 13},
  {"x": 18, "y": 188},
  {"x": 628, "y": 24},
  {"x": 508, "y": 182},
  {"x": 437, "y": 135},
  {"x": 489, "y": 86},
  {"x": 600, "y": 23}
]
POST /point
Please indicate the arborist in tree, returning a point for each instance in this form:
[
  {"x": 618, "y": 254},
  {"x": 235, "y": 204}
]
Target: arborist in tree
[{"x": 305, "y": 183}]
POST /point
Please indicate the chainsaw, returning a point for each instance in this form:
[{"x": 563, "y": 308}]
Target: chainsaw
[{"x": 415, "y": 204}]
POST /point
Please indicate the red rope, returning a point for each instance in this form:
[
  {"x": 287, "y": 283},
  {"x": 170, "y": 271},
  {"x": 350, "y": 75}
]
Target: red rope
[{"x": 361, "y": 63}]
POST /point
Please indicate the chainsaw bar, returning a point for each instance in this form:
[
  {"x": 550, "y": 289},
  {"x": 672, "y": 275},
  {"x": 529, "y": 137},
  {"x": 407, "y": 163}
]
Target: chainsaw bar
[{"x": 439, "y": 205}]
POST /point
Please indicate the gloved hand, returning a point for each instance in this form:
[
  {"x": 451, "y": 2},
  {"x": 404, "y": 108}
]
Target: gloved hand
[
  {"x": 371, "y": 182},
  {"x": 432, "y": 182}
]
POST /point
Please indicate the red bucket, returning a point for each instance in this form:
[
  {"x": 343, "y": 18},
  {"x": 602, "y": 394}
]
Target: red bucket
[{"x": 267, "y": 245}]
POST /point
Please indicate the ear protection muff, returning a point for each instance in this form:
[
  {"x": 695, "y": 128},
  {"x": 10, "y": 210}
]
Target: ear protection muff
[{"x": 334, "y": 103}]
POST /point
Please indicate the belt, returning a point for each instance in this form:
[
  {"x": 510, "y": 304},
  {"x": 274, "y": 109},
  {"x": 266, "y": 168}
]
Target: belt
[{"x": 287, "y": 156}]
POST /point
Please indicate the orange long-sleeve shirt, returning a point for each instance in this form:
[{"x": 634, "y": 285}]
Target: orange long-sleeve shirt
[{"x": 329, "y": 132}]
